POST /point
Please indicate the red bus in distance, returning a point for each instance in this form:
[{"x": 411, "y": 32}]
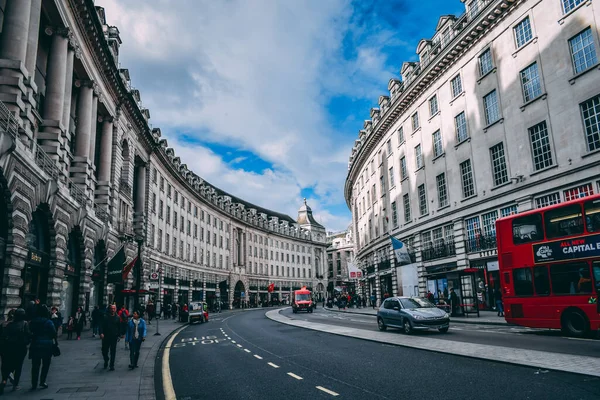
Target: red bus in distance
[{"x": 550, "y": 266}]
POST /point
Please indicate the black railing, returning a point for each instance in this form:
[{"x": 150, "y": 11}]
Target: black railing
[
  {"x": 439, "y": 251},
  {"x": 481, "y": 243},
  {"x": 371, "y": 269},
  {"x": 125, "y": 228},
  {"x": 8, "y": 123},
  {"x": 125, "y": 187},
  {"x": 383, "y": 265},
  {"x": 184, "y": 282}
]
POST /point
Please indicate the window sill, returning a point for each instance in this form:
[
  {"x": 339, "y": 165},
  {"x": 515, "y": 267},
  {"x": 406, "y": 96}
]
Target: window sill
[
  {"x": 542, "y": 96},
  {"x": 533, "y": 40},
  {"x": 415, "y": 131},
  {"x": 404, "y": 179},
  {"x": 464, "y": 141},
  {"x": 419, "y": 169},
  {"x": 591, "y": 153},
  {"x": 501, "y": 185},
  {"x": 443, "y": 155},
  {"x": 482, "y": 77},
  {"x": 392, "y": 188},
  {"x": 424, "y": 216},
  {"x": 434, "y": 115},
  {"x": 443, "y": 208},
  {"x": 498, "y": 121},
  {"x": 469, "y": 198},
  {"x": 461, "y": 94},
  {"x": 539, "y": 171},
  {"x": 562, "y": 20},
  {"x": 579, "y": 75},
  {"x": 403, "y": 142}
]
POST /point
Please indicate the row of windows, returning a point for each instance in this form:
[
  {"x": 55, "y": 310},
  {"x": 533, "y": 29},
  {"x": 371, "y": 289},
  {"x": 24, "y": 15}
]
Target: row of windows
[
  {"x": 572, "y": 278},
  {"x": 258, "y": 252},
  {"x": 560, "y": 222},
  {"x": 259, "y": 268}
]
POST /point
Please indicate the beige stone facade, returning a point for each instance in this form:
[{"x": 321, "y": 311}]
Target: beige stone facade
[
  {"x": 78, "y": 163},
  {"x": 498, "y": 116}
]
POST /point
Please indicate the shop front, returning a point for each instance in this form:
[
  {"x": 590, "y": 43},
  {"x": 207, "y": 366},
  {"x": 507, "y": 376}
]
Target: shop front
[
  {"x": 385, "y": 285},
  {"x": 35, "y": 273},
  {"x": 485, "y": 279},
  {"x": 168, "y": 296},
  {"x": 183, "y": 296},
  {"x": 98, "y": 281}
]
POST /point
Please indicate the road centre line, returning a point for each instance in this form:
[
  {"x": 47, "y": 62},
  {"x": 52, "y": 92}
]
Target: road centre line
[
  {"x": 273, "y": 365},
  {"x": 233, "y": 341},
  {"x": 331, "y": 392},
  {"x": 257, "y": 356},
  {"x": 247, "y": 351},
  {"x": 239, "y": 345},
  {"x": 295, "y": 376}
]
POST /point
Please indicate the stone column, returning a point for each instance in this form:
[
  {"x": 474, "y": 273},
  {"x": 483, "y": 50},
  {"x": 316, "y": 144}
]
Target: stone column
[
  {"x": 140, "y": 197},
  {"x": 32, "y": 37},
  {"x": 66, "y": 117},
  {"x": 84, "y": 118},
  {"x": 93, "y": 127},
  {"x": 13, "y": 41},
  {"x": 106, "y": 145}
]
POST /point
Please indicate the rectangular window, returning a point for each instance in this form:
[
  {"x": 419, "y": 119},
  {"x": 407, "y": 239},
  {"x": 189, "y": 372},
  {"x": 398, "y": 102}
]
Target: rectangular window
[
  {"x": 523, "y": 33},
  {"x": 167, "y": 243},
  {"x": 195, "y": 231},
  {"x": 489, "y": 223},
  {"x": 160, "y": 238},
  {"x": 382, "y": 184},
  {"x": 394, "y": 214},
  {"x": 590, "y": 112},
  {"x": 592, "y": 217},
  {"x": 418, "y": 156},
  {"x": 583, "y": 52},
  {"x": 460, "y": 123},
  {"x": 433, "y": 105},
  {"x": 442, "y": 190},
  {"x": 154, "y": 203},
  {"x": 406, "y": 200},
  {"x": 499, "y": 164},
  {"x": 400, "y": 135},
  {"x": 565, "y": 221},
  {"x": 176, "y": 200},
  {"x": 527, "y": 229},
  {"x": 506, "y": 211},
  {"x": 490, "y": 104},
  {"x": 422, "y": 200},
  {"x": 568, "y": 5},
  {"x": 530, "y": 82},
  {"x": 540, "y": 146},
  {"x": 160, "y": 209},
  {"x": 485, "y": 62},
  {"x": 547, "y": 200},
  {"x": 175, "y": 219},
  {"x": 415, "y": 121},
  {"x": 437, "y": 143},
  {"x": 182, "y": 225},
  {"x": 403, "y": 171},
  {"x": 572, "y": 278},
  {"x": 168, "y": 215},
  {"x": 389, "y": 147},
  {"x": 466, "y": 173},
  {"x": 373, "y": 194},
  {"x": 456, "y": 85},
  {"x": 579, "y": 192},
  {"x": 392, "y": 183},
  {"x": 523, "y": 282}
]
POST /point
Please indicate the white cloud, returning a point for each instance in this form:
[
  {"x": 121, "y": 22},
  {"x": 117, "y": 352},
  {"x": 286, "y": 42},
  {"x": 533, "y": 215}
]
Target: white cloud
[{"x": 255, "y": 76}]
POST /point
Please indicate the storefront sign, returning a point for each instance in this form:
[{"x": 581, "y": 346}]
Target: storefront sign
[
  {"x": 568, "y": 249},
  {"x": 493, "y": 266},
  {"x": 70, "y": 270},
  {"x": 35, "y": 257}
]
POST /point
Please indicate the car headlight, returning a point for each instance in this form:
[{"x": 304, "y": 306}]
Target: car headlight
[
  {"x": 446, "y": 315},
  {"x": 417, "y": 316}
]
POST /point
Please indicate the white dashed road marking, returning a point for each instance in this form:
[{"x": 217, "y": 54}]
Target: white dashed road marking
[
  {"x": 273, "y": 365},
  {"x": 239, "y": 345},
  {"x": 295, "y": 376},
  {"x": 257, "y": 356},
  {"x": 247, "y": 351},
  {"x": 233, "y": 341},
  {"x": 331, "y": 392}
]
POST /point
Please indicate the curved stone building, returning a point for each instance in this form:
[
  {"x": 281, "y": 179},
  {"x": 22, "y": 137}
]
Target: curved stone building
[
  {"x": 82, "y": 175},
  {"x": 499, "y": 115}
]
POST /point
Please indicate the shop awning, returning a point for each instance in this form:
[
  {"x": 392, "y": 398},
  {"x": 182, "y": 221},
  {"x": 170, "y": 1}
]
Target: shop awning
[{"x": 437, "y": 270}]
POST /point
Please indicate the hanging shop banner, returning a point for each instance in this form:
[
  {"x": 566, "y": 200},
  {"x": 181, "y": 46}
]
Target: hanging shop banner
[
  {"x": 115, "y": 267},
  {"x": 567, "y": 249}
]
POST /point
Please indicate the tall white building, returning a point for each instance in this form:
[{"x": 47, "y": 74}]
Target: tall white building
[{"x": 500, "y": 115}]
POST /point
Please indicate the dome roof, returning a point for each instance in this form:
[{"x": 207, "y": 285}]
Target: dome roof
[{"x": 305, "y": 216}]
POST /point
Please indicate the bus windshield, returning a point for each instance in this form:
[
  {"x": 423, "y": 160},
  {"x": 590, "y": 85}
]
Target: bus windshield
[{"x": 302, "y": 297}]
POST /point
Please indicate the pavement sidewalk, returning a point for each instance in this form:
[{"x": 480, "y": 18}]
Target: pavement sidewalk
[
  {"x": 485, "y": 318},
  {"x": 78, "y": 372}
]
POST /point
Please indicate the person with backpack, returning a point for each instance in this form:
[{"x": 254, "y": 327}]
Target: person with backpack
[
  {"x": 124, "y": 318},
  {"x": 43, "y": 340},
  {"x": 15, "y": 338},
  {"x": 79, "y": 321},
  {"x": 135, "y": 335}
]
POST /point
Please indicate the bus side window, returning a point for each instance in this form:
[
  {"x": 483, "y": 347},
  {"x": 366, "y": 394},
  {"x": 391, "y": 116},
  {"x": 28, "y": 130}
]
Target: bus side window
[
  {"x": 596, "y": 270},
  {"x": 592, "y": 215},
  {"x": 572, "y": 278},
  {"x": 523, "y": 281},
  {"x": 541, "y": 281},
  {"x": 506, "y": 278},
  {"x": 527, "y": 229},
  {"x": 564, "y": 221}
]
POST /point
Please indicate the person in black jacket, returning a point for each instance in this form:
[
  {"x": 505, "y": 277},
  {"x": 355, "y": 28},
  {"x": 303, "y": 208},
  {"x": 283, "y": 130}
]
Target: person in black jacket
[
  {"x": 43, "y": 337},
  {"x": 16, "y": 337},
  {"x": 79, "y": 322},
  {"x": 109, "y": 333}
]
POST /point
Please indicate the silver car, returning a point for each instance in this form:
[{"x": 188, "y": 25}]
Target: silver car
[{"x": 411, "y": 313}]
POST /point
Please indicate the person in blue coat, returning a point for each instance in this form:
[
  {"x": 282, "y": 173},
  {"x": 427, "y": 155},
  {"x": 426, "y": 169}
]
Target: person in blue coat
[
  {"x": 43, "y": 338},
  {"x": 135, "y": 335}
]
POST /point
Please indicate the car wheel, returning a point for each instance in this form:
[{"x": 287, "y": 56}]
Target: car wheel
[
  {"x": 381, "y": 325},
  {"x": 575, "y": 323},
  {"x": 407, "y": 326},
  {"x": 444, "y": 330}
]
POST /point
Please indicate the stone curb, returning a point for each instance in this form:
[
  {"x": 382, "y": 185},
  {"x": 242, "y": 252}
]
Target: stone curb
[
  {"x": 528, "y": 358},
  {"x": 454, "y": 321}
]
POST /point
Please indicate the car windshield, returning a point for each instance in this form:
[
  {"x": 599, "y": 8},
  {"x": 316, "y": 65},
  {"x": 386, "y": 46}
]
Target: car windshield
[
  {"x": 415, "y": 302},
  {"x": 302, "y": 297},
  {"x": 195, "y": 306}
]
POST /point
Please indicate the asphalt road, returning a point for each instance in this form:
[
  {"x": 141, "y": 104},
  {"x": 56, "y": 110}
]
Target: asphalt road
[{"x": 247, "y": 356}]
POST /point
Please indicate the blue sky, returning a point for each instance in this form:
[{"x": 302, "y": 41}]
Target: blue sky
[{"x": 265, "y": 99}]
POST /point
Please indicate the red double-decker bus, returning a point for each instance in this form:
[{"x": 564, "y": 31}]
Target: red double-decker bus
[{"x": 550, "y": 266}]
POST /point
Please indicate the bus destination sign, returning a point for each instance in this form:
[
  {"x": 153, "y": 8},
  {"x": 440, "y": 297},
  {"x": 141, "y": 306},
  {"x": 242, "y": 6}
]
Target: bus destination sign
[{"x": 567, "y": 249}]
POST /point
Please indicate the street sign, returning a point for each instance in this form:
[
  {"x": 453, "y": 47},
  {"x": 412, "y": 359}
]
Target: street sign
[
  {"x": 153, "y": 285},
  {"x": 153, "y": 276},
  {"x": 159, "y": 270}
]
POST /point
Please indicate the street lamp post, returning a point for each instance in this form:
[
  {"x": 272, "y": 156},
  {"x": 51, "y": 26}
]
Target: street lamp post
[{"x": 138, "y": 277}]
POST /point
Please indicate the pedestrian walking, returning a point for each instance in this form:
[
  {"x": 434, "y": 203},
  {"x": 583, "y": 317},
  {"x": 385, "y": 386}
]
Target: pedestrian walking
[
  {"x": 96, "y": 319},
  {"x": 110, "y": 329},
  {"x": 57, "y": 319},
  {"x": 15, "y": 337},
  {"x": 135, "y": 335},
  {"x": 70, "y": 327},
  {"x": 499, "y": 306},
  {"x": 150, "y": 311},
  {"x": 373, "y": 299},
  {"x": 124, "y": 318},
  {"x": 43, "y": 339},
  {"x": 168, "y": 311},
  {"x": 79, "y": 322},
  {"x": 453, "y": 302}
]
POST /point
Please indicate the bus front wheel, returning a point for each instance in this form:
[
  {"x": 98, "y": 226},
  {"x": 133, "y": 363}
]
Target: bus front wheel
[{"x": 575, "y": 323}]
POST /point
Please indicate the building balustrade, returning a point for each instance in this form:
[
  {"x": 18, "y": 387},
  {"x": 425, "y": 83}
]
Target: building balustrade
[
  {"x": 8, "y": 123},
  {"x": 439, "y": 251},
  {"x": 481, "y": 243}
]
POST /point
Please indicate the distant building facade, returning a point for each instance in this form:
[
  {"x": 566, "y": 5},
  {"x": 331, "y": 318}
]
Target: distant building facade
[{"x": 340, "y": 250}]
